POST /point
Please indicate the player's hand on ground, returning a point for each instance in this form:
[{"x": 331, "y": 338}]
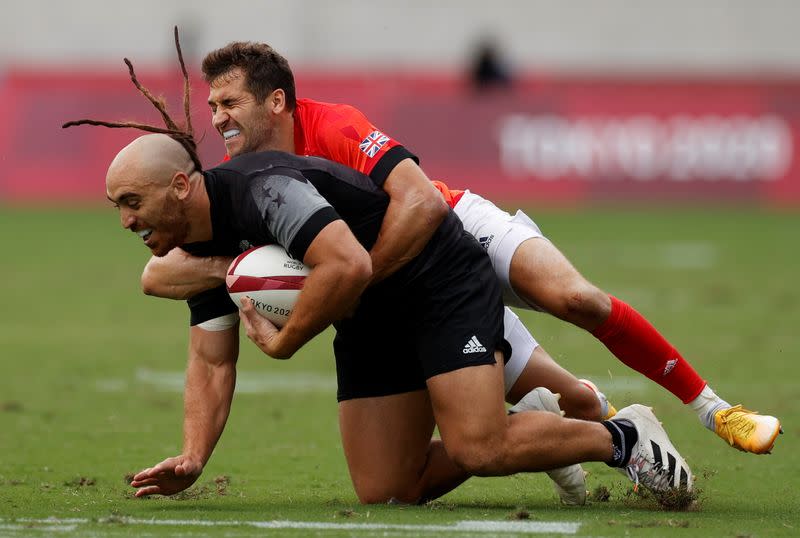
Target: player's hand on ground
[
  {"x": 259, "y": 329},
  {"x": 168, "y": 477}
]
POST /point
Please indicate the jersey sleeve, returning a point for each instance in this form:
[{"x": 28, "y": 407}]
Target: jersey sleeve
[
  {"x": 293, "y": 210},
  {"x": 212, "y": 304},
  {"x": 345, "y": 135}
]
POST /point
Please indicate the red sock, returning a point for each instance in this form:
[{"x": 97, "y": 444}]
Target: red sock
[{"x": 634, "y": 341}]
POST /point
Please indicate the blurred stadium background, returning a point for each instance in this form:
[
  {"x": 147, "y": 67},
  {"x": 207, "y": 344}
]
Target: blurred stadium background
[
  {"x": 655, "y": 142},
  {"x": 606, "y": 100}
]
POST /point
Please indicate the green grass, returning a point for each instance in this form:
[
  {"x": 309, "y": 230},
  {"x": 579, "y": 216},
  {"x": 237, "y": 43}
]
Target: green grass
[{"x": 83, "y": 350}]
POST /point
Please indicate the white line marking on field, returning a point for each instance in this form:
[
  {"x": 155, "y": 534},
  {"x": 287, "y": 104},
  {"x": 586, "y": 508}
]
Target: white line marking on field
[
  {"x": 246, "y": 383},
  {"x": 48, "y": 528},
  {"x": 500, "y": 527},
  {"x": 689, "y": 255},
  {"x": 461, "y": 526},
  {"x": 261, "y": 383},
  {"x": 111, "y": 385},
  {"x": 619, "y": 384}
]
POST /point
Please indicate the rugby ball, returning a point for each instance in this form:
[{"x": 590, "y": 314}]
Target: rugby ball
[{"x": 270, "y": 277}]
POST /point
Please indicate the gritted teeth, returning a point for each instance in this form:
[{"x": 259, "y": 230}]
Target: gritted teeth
[{"x": 230, "y": 133}]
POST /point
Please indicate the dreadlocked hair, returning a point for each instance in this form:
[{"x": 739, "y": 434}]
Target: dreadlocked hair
[{"x": 183, "y": 136}]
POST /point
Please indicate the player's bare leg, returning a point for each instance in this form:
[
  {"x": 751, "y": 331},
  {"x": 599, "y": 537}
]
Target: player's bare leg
[
  {"x": 577, "y": 399},
  {"x": 478, "y": 440},
  {"x": 487, "y": 442},
  {"x": 391, "y": 456},
  {"x": 389, "y": 451},
  {"x": 541, "y": 275},
  {"x": 530, "y": 366}
]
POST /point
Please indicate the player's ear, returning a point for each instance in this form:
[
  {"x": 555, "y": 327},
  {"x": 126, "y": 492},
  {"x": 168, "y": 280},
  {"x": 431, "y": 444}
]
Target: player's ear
[
  {"x": 181, "y": 186},
  {"x": 277, "y": 101}
]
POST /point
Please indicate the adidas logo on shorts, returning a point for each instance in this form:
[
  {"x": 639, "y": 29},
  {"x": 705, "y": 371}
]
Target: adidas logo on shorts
[{"x": 473, "y": 346}]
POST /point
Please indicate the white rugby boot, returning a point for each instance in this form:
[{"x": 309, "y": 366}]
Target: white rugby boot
[
  {"x": 569, "y": 482},
  {"x": 654, "y": 461}
]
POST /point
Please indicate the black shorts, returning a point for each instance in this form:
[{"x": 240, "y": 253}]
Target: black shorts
[{"x": 448, "y": 318}]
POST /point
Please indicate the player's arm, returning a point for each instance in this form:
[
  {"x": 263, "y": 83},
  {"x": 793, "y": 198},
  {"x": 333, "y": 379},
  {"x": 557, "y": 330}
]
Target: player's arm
[
  {"x": 179, "y": 275},
  {"x": 210, "y": 380},
  {"x": 208, "y": 393},
  {"x": 340, "y": 271},
  {"x": 415, "y": 210}
]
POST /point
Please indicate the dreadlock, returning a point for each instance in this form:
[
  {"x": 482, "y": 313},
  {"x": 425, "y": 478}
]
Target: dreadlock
[{"x": 184, "y": 136}]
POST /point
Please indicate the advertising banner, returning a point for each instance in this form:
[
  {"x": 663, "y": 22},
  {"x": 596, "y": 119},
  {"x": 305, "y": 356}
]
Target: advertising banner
[{"x": 544, "y": 140}]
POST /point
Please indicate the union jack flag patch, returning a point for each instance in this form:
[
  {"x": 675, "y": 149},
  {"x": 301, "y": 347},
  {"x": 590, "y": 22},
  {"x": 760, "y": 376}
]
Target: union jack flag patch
[{"x": 373, "y": 143}]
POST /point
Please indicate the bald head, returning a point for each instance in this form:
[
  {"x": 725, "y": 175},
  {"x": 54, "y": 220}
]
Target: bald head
[
  {"x": 151, "y": 159},
  {"x": 159, "y": 192}
]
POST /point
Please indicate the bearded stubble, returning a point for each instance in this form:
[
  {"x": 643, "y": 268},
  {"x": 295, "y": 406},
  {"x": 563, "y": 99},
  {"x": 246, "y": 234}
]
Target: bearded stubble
[
  {"x": 258, "y": 132},
  {"x": 174, "y": 226}
]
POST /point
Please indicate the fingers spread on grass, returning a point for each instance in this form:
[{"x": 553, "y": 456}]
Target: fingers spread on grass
[
  {"x": 150, "y": 490},
  {"x": 141, "y": 475}
]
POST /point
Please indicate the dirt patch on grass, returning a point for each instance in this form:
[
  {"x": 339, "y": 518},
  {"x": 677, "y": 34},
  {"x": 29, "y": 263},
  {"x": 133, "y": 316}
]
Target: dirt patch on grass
[
  {"x": 672, "y": 500},
  {"x": 80, "y": 481},
  {"x": 11, "y": 406},
  {"x": 600, "y": 494}
]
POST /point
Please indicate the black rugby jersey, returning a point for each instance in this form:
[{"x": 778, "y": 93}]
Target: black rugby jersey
[{"x": 274, "y": 197}]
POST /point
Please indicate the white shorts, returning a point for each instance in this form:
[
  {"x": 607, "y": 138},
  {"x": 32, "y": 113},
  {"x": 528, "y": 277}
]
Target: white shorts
[
  {"x": 522, "y": 346},
  {"x": 500, "y": 234}
]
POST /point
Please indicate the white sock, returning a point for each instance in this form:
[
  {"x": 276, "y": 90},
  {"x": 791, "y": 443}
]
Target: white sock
[{"x": 706, "y": 405}]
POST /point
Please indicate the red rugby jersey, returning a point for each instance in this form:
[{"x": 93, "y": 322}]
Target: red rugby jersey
[{"x": 342, "y": 133}]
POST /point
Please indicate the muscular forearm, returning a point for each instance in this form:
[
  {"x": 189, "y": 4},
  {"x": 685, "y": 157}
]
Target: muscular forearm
[
  {"x": 207, "y": 402},
  {"x": 341, "y": 270},
  {"x": 179, "y": 275},
  {"x": 405, "y": 232},
  {"x": 330, "y": 292},
  {"x": 415, "y": 210}
]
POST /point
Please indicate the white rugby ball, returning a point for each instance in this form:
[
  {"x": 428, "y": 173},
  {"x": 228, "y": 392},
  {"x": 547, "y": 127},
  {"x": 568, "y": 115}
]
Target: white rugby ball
[{"x": 270, "y": 277}]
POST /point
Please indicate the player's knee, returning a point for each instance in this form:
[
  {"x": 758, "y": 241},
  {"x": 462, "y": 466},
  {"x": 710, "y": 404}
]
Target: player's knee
[
  {"x": 584, "y": 304},
  {"x": 372, "y": 496},
  {"x": 578, "y": 299},
  {"x": 374, "y": 486},
  {"x": 376, "y": 493}
]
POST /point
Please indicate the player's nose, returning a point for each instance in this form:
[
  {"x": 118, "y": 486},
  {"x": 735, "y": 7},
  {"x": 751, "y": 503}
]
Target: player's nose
[
  {"x": 127, "y": 219},
  {"x": 218, "y": 119}
]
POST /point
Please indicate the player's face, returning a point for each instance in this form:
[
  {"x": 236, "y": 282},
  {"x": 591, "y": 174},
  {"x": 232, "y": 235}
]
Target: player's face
[
  {"x": 244, "y": 123},
  {"x": 153, "y": 213}
]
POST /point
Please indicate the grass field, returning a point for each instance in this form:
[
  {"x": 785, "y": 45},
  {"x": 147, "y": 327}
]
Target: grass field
[{"x": 91, "y": 390}]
